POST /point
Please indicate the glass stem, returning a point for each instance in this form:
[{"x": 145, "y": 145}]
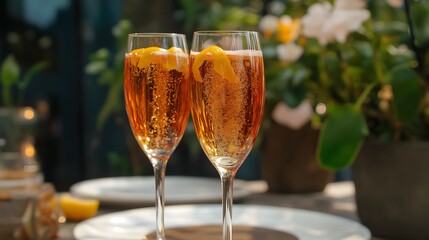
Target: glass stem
[
  {"x": 227, "y": 179},
  {"x": 159, "y": 172}
]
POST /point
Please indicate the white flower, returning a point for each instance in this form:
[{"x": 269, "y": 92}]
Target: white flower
[
  {"x": 327, "y": 23},
  {"x": 289, "y": 52},
  {"x": 314, "y": 21},
  {"x": 269, "y": 23},
  {"x": 294, "y": 118},
  {"x": 342, "y": 22},
  {"x": 395, "y": 3},
  {"x": 286, "y": 20}
]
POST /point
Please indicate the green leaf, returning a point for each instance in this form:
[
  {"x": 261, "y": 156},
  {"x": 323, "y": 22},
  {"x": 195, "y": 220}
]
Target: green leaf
[
  {"x": 35, "y": 69},
  {"x": 112, "y": 103},
  {"x": 10, "y": 72},
  {"x": 294, "y": 97},
  {"x": 121, "y": 31},
  {"x": 277, "y": 83},
  {"x": 23, "y": 84},
  {"x": 106, "y": 77},
  {"x": 119, "y": 61},
  {"x": 123, "y": 27},
  {"x": 299, "y": 76},
  {"x": 407, "y": 93},
  {"x": 102, "y": 54},
  {"x": 390, "y": 28},
  {"x": 284, "y": 77},
  {"x": 341, "y": 136},
  {"x": 96, "y": 67}
]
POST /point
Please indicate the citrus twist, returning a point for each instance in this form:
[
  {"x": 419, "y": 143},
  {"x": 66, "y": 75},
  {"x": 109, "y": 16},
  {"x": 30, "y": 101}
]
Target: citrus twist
[
  {"x": 143, "y": 57},
  {"x": 221, "y": 62}
]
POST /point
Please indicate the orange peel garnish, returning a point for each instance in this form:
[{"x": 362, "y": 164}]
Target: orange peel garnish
[
  {"x": 143, "y": 57},
  {"x": 175, "y": 50},
  {"x": 221, "y": 62},
  {"x": 173, "y": 62}
]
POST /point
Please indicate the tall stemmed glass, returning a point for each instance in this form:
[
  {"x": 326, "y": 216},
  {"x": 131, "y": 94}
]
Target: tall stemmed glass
[
  {"x": 227, "y": 94},
  {"x": 156, "y": 78}
]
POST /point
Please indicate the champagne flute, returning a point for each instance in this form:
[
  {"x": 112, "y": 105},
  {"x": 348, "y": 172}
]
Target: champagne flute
[
  {"x": 156, "y": 78},
  {"x": 227, "y": 100}
]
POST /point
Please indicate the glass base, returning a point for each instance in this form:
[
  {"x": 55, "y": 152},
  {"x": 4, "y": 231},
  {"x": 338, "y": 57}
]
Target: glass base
[{"x": 214, "y": 232}]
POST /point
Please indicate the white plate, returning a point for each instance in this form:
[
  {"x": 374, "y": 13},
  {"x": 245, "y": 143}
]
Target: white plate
[
  {"x": 140, "y": 191},
  {"x": 304, "y": 224}
]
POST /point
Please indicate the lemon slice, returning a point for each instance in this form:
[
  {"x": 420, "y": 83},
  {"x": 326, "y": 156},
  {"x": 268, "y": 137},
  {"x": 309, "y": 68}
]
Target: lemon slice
[
  {"x": 77, "y": 209},
  {"x": 221, "y": 62}
]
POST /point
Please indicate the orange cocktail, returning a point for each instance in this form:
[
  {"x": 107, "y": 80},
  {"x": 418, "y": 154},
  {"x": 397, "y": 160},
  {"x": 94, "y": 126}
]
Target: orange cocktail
[
  {"x": 227, "y": 93},
  {"x": 156, "y": 89},
  {"x": 227, "y": 105},
  {"x": 156, "y": 97}
]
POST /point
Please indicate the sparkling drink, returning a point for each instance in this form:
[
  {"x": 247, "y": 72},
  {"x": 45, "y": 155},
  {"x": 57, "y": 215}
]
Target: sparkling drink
[
  {"x": 227, "y": 94},
  {"x": 156, "y": 99},
  {"x": 156, "y": 89},
  {"x": 230, "y": 107}
]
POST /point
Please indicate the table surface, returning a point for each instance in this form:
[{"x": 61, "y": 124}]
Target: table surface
[{"x": 336, "y": 199}]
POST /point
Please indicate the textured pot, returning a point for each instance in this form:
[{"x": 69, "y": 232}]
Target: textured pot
[
  {"x": 289, "y": 160},
  {"x": 392, "y": 189}
]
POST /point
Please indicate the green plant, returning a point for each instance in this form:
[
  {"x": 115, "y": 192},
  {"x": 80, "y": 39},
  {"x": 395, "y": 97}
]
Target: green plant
[
  {"x": 11, "y": 79},
  {"x": 354, "y": 63},
  {"x": 109, "y": 71},
  {"x": 108, "y": 68},
  {"x": 219, "y": 14}
]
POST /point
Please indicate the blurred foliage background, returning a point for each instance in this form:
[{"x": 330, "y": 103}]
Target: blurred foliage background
[{"x": 82, "y": 43}]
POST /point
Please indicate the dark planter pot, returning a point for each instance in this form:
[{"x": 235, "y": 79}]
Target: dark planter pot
[
  {"x": 289, "y": 162},
  {"x": 392, "y": 189}
]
